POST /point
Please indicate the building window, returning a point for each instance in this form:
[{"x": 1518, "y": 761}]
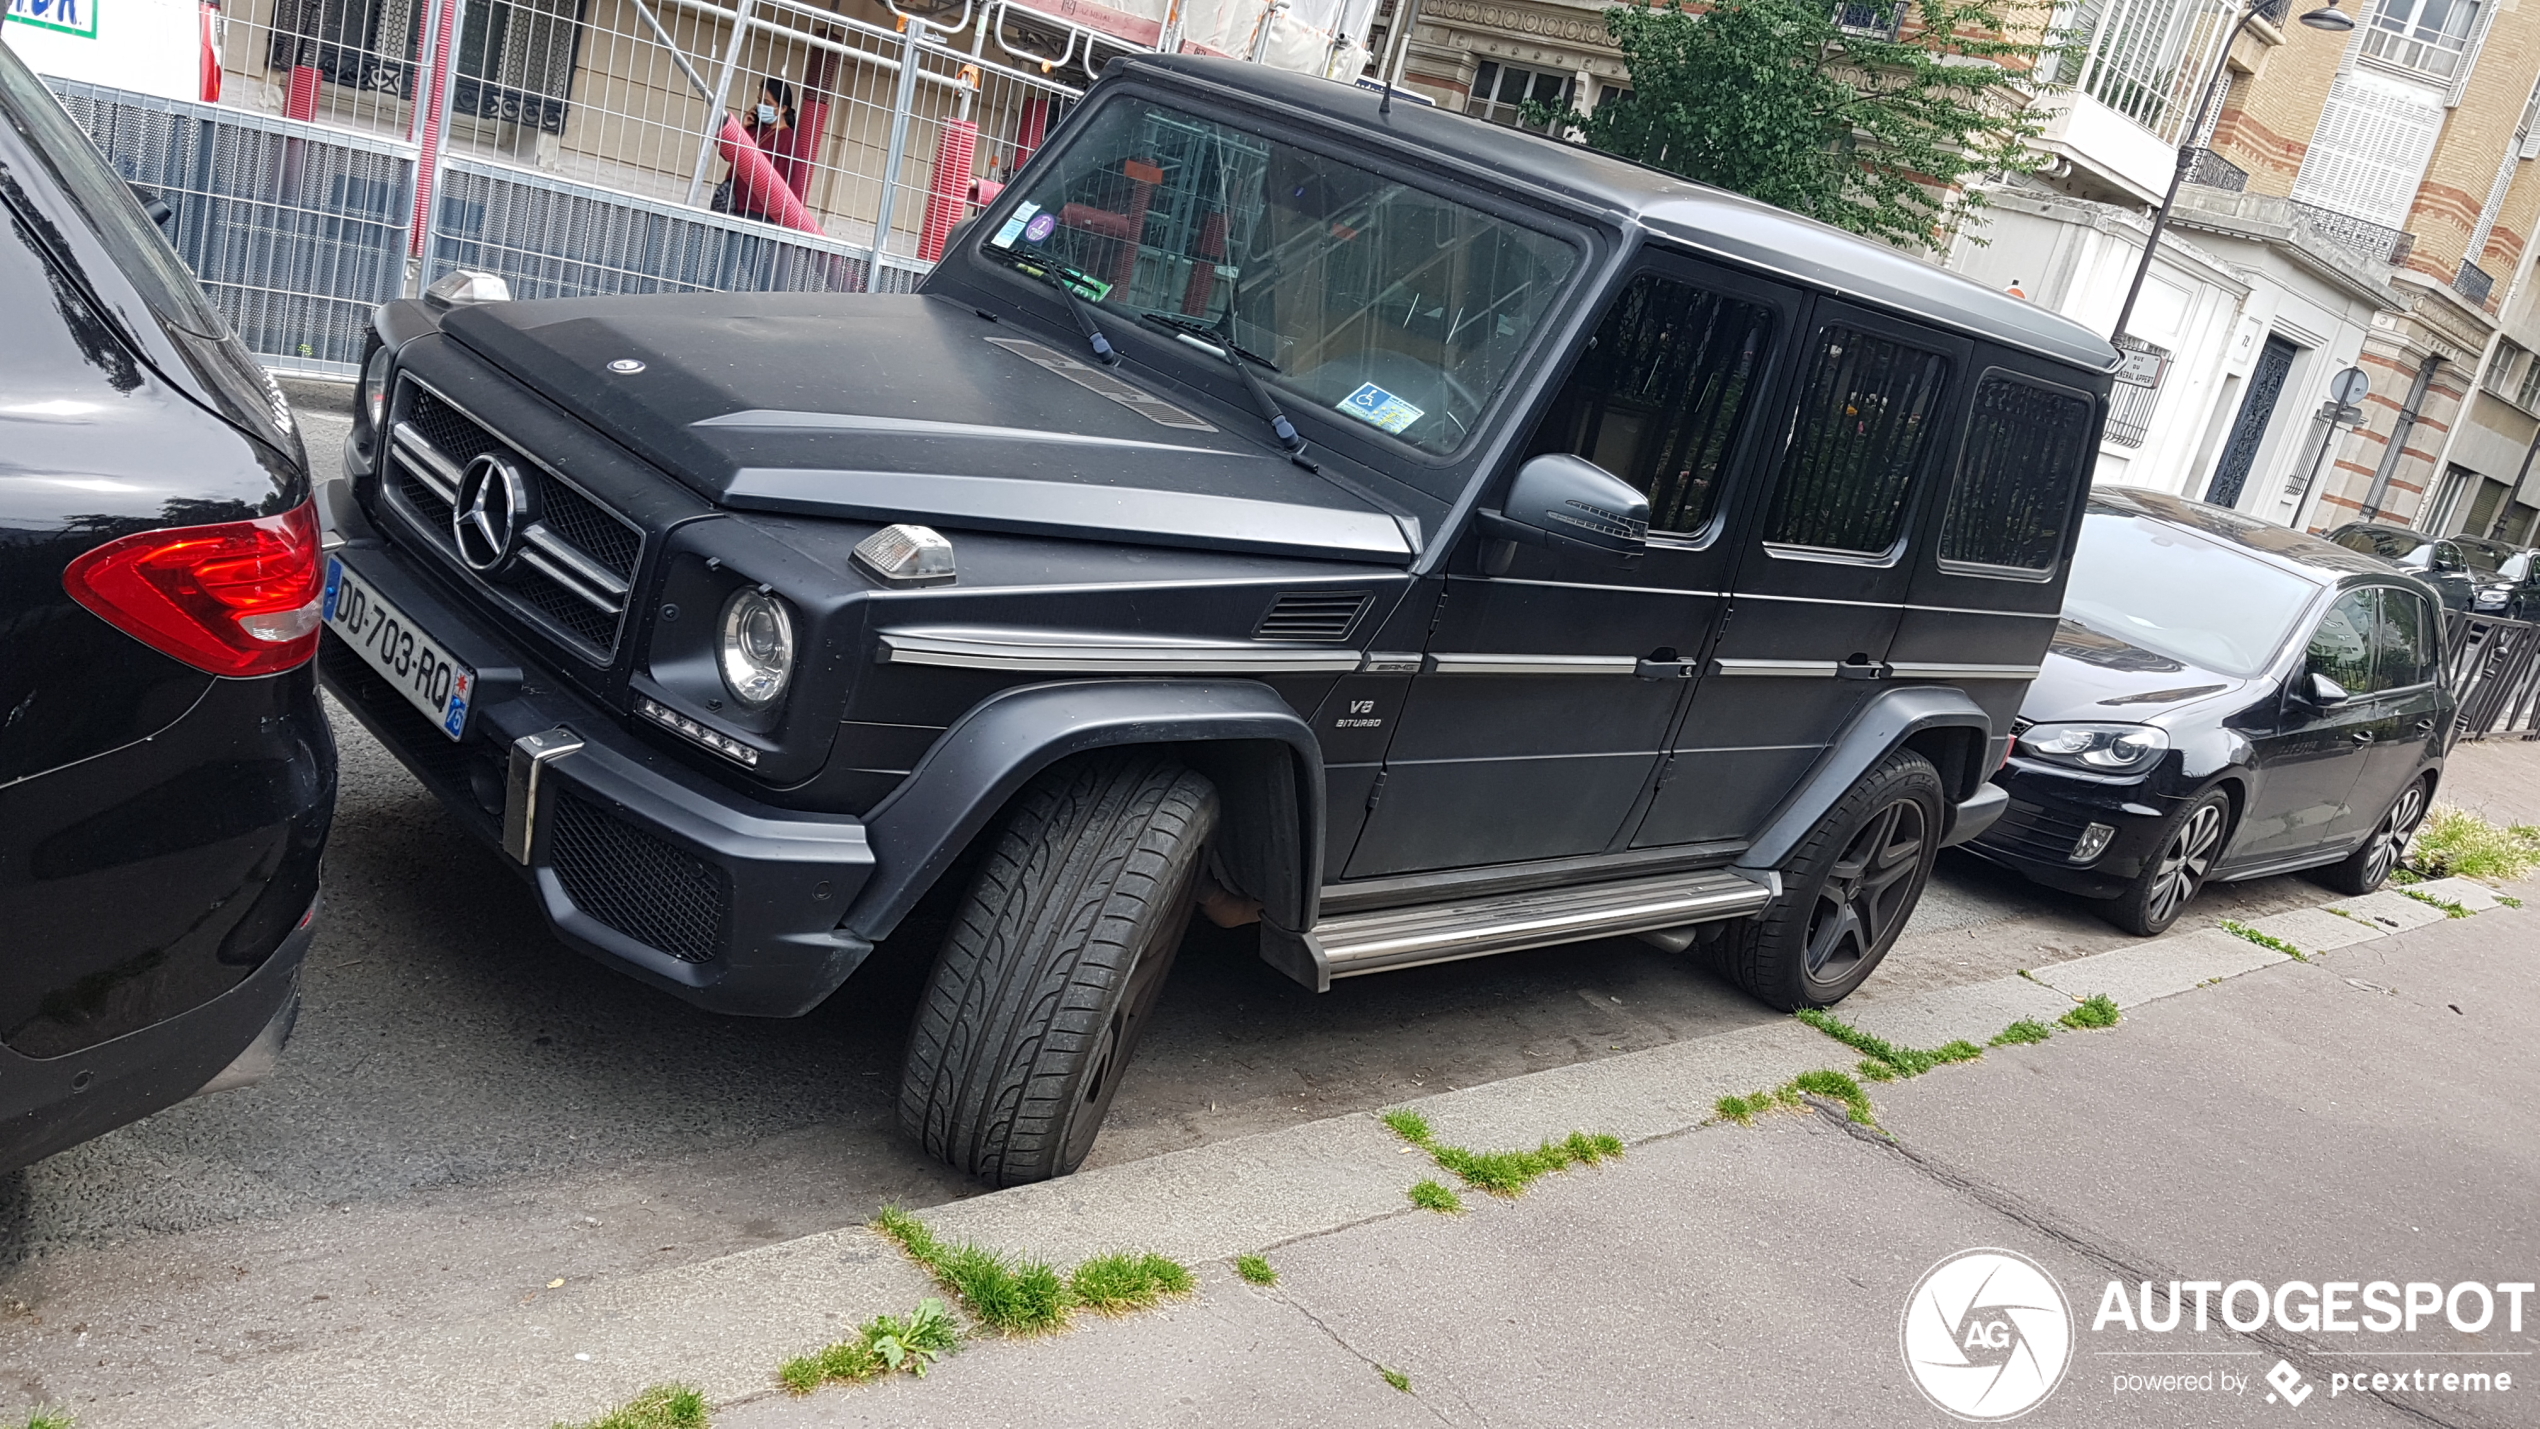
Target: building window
[
  {"x": 1500, "y": 93},
  {"x": 1867, "y": 17},
  {"x": 1659, "y": 397},
  {"x": 2502, "y": 372},
  {"x": 1862, "y": 428},
  {"x": 2026, "y": 452},
  {"x": 2368, "y": 152},
  {"x": 2527, "y": 391},
  {"x": 2426, "y": 36}
]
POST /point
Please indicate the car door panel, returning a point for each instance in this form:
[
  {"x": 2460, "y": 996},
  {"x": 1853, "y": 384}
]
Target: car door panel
[
  {"x": 2312, "y": 758},
  {"x": 2408, "y": 705}
]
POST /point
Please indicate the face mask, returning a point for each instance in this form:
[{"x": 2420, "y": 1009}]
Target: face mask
[{"x": 767, "y": 114}]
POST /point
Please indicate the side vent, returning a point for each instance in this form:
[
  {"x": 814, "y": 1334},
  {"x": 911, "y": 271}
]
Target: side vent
[{"x": 1312, "y": 615}]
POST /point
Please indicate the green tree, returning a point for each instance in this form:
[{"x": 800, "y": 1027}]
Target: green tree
[{"x": 1777, "y": 100}]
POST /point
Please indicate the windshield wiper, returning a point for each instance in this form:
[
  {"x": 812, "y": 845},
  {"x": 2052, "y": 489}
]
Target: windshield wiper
[
  {"x": 1077, "y": 308},
  {"x": 1209, "y": 334}
]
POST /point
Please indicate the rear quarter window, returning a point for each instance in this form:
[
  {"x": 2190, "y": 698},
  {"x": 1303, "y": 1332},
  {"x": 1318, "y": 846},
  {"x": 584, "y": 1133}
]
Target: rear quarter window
[{"x": 2027, "y": 449}]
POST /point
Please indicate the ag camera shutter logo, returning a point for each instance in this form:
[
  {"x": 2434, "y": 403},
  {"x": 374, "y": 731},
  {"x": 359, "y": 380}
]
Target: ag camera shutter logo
[{"x": 1987, "y": 1335}]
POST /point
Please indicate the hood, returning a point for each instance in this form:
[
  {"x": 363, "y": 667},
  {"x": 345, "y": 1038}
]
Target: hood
[
  {"x": 906, "y": 408},
  {"x": 2091, "y": 675}
]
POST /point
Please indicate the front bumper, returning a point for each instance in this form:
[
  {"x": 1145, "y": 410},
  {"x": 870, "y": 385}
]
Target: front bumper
[
  {"x": 637, "y": 860},
  {"x": 2046, "y": 816},
  {"x": 52, "y": 1103}
]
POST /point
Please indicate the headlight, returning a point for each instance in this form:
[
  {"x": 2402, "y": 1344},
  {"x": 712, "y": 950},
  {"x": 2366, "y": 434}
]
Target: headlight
[
  {"x": 2102, "y": 748},
  {"x": 375, "y": 387},
  {"x": 757, "y": 648}
]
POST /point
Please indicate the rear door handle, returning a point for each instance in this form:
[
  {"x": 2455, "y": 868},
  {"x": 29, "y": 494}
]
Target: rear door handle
[
  {"x": 2363, "y": 736},
  {"x": 2425, "y": 726}
]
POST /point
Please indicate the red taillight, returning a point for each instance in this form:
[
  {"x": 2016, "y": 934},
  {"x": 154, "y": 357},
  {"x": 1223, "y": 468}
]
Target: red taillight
[{"x": 237, "y": 599}]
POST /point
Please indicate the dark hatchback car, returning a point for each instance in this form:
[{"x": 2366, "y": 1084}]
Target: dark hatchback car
[
  {"x": 2224, "y": 699},
  {"x": 1417, "y": 537},
  {"x": 166, "y": 772},
  {"x": 2467, "y": 572}
]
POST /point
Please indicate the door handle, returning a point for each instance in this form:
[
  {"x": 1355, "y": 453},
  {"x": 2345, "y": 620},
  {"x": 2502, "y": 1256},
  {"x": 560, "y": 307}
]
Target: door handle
[
  {"x": 1663, "y": 669},
  {"x": 2425, "y": 726},
  {"x": 2363, "y": 736}
]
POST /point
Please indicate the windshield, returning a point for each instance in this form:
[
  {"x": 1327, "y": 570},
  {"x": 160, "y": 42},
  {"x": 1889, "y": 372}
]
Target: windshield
[
  {"x": 2180, "y": 595},
  {"x": 1396, "y": 306}
]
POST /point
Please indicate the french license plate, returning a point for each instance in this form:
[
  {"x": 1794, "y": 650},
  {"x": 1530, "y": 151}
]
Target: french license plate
[{"x": 427, "y": 675}]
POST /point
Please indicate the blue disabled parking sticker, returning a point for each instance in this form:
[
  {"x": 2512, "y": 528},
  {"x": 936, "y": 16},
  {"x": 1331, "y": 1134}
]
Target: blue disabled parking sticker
[{"x": 1377, "y": 407}]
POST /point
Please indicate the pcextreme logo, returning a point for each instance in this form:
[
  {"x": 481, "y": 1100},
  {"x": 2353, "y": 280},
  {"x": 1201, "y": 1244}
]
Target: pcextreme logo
[{"x": 1987, "y": 1335}]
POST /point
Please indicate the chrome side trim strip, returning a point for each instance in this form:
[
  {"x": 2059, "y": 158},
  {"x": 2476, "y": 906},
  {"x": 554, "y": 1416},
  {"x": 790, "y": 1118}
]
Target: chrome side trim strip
[
  {"x": 1786, "y": 669},
  {"x": 1444, "y": 932},
  {"x": 1473, "y": 663},
  {"x": 1963, "y": 672},
  {"x": 435, "y": 469},
  {"x": 1096, "y": 654}
]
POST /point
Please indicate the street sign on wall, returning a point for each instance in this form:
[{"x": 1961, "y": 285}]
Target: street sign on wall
[{"x": 154, "y": 46}]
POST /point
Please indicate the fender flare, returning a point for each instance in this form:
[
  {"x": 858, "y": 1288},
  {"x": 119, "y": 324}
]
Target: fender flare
[
  {"x": 1894, "y": 718},
  {"x": 1258, "y": 749}
]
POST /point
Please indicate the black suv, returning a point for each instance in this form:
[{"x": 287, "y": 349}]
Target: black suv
[{"x": 1419, "y": 537}]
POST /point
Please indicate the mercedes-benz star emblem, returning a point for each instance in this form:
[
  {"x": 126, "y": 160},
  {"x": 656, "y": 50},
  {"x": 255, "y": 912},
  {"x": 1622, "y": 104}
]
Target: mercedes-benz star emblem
[{"x": 491, "y": 512}]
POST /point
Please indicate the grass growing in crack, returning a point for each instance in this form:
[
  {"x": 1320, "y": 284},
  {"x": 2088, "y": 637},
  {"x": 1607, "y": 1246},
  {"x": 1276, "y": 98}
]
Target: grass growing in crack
[
  {"x": 2027, "y": 1029},
  {"x": 886, "y": 1345},
  {"x": 2404, "y": 875},
  {"x": 1256, "y": 1270},
  {"x": 2509, "y": 900},
  {"x": 1902, "y": 1061},
  {"x": 2455, "y": 842},
  {"x": 1123, "y": 1281},
  {"x": 1790, "y": 1095},
  {"x": 2241, "y": 930},
  {"x": 48, "y": 1419},
  {"x": 1838, "y": 1087},
  {"x": 1434, "y": 1196},
  {"x": 2450, "y": 908},
  {"x": 1501, "y": 1173},
  {"x": 664, "y": 1406},
  {"x": 2096, "y": 1010},
  {"x": 1396, "y": 1378}
]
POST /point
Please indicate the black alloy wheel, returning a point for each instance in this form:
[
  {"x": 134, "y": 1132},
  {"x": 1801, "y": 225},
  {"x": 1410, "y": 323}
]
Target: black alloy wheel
[
  {"x": 1846, "y": 891},
  {"x": 2175, "y": 873},
  {"x": 2367, "y": 867}
]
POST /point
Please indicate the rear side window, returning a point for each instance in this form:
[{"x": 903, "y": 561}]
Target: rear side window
[
  {"x": 2404, "y": 646},
  {"x": 2025, "y": 453},
  {"x": 1661, "y": 393},
  {"x": 1863, "y": 427},
  {"x": 2341, "y": 648}
]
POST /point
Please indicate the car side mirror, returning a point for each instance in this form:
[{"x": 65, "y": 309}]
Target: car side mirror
[
  {"x": 1567, "y": 503},
  {"x": 2321, "y": 692},
  {"x": 158, "y": 208}
]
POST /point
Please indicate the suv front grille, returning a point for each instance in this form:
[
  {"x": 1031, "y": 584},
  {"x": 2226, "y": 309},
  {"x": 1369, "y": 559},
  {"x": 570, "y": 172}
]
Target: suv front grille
[
  {"x": 576, "y": 562},
  {"x": 1312, "y": 615},
  {"x": 635, "y": 882}
]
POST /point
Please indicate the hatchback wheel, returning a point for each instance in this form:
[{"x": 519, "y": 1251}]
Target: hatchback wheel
[
  {"x": 1847, "y": 892},
  {"x": 2366, "y": 868},
  {"x": 2185, "y": 852}
]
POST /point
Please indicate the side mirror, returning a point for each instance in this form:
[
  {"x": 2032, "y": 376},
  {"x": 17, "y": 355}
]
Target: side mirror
[
  {"x": 155, "y": 206},
  {"x": 1567, "y": 503},
  {"x": 2321, "y": 692}
]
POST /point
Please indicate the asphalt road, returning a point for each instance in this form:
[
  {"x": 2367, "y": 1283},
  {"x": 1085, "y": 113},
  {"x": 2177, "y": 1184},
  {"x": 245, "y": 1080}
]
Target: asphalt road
[{"x": 469, "y": 1110}]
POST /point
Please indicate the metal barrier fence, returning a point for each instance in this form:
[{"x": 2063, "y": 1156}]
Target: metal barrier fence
[
  {"x": 2493, "y": 667},
  {"x": 362, "y": 148},
  {"x": 295, "y": 230}
]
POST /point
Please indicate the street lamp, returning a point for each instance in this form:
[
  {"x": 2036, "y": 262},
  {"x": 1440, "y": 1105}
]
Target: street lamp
[{"x": 2327, "y": 18}]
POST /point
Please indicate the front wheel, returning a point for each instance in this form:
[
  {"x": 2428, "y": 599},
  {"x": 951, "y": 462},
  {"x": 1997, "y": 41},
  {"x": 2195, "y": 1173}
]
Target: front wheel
[
  {"x": 1054, "y": 964},
  {"x": 1847, "y": 891},
  {"x": 2366, "y": 868},
  {"x": 2184, "y": 853}
]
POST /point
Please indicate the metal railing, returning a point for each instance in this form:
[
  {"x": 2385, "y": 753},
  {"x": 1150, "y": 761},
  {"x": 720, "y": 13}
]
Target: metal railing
[
  {"x": 2474, "y": 283},
  {"x": 2211, "y": 170},
  {"x": 2493, "y": 667},
  {"x": 2377, "y": 241}
]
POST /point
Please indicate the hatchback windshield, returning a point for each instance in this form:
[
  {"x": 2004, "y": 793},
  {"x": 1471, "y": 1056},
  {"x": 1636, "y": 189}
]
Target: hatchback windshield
[
  {"x": 2177, "y": 594},
  {"x": 1397, "y": 306}
]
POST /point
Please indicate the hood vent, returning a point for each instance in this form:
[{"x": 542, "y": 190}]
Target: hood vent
[{"x": 1312, "y": 615}]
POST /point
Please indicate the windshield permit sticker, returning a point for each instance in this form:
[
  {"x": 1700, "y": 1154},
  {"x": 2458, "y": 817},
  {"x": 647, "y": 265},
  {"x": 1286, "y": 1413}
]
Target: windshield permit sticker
[
  {"x": 1013, "y": 226},
  {"x": 1040, "y": 228},
  {"x": 1377, "y": 407},
  {"x": 1137, "y": 399}
]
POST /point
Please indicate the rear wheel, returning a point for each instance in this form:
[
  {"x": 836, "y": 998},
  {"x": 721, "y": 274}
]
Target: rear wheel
[
  {"x": 2366, "y": 868},
  {"x": 2185, "y": 852},
  {"x": 1847, "y": 891},
  {"x": 1053, "y": 965}
]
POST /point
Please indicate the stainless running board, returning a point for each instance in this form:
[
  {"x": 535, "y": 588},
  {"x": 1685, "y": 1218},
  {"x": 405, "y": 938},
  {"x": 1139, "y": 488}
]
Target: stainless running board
[{"x": 1382, "y": 940}]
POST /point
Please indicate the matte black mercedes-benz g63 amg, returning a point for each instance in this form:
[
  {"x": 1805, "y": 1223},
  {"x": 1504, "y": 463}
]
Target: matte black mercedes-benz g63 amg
[{"x": 1424, "y": 538}]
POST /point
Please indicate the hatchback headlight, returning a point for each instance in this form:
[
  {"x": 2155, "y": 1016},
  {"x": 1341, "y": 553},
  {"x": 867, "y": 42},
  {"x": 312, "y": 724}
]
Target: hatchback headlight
[
  {"x": 756, "y": 648},
  {"x": 2100, "y": 748}
]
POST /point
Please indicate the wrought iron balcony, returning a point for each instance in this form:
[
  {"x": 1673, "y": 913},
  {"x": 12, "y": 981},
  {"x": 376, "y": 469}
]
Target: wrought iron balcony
[
  {"x": 2213, "y": 171},
  {"x": 1862, "y": 17},
  {"x": 2474, "y": 283},
  {"x": 2377, "y": 241}
]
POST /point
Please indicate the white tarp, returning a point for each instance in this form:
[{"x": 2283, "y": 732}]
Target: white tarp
[
  {"x": 154, "y": 46},
  {"x": 1325, "y": 37}
]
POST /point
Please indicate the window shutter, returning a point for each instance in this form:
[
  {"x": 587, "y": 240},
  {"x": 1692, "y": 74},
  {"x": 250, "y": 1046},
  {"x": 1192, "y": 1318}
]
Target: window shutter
[{"x": 2369, "y": 152}]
